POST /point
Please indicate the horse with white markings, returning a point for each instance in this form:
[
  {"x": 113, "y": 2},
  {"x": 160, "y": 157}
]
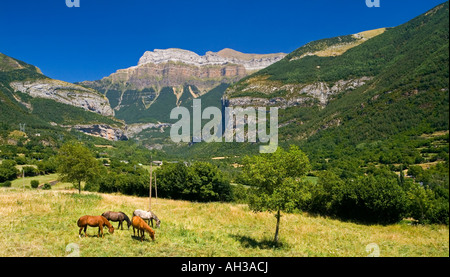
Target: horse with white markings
[{"x": 147, "y": 215}]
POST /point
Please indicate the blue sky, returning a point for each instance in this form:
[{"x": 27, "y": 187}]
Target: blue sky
[{"x": 101, "y": 36}]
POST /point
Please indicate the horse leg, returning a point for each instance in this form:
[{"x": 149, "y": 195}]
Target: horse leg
[
  {"x": 100, "y": 227},
  {"x": 85, "y": 233},
  {"x": 79, "y": 232}
]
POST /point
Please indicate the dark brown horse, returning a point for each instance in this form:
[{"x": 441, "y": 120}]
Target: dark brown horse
[
  {"x": 94, "y": 221},
  {"x": 142, "y": 227},
  {"x": 117, "y": 216}
]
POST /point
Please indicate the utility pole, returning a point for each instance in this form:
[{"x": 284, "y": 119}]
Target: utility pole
[
  {"x": 150, "y": 193},
  {"x": 156, "y": 190}
]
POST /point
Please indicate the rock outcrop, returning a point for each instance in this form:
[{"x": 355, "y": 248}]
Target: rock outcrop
[
  {"x": 292, "y": 94},
  {"x": 136, "y": 128},
  {"x": 66, "y": 93},
  {"x": 102, "y": 130}
]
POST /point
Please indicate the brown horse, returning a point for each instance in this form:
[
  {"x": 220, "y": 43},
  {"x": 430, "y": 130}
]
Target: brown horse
[
  {"x": 94, "y": 221},
  {"x": 142, "y": 227},
  {"x": 117, "y": 216}
]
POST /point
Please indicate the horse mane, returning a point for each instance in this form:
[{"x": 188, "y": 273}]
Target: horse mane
[
  {"x": 106, "y": 221},
  {"x": 126, "y": 217},
  {"x": 154, "y": 216}
]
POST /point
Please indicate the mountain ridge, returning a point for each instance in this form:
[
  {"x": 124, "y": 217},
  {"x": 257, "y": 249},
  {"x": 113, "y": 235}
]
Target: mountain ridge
[
  {"x": 135, "y": 93},
  {"x": 225, "y": 56}
]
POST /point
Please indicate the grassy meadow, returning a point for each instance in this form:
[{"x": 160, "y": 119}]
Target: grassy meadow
[{"x": 43, "y": 223}]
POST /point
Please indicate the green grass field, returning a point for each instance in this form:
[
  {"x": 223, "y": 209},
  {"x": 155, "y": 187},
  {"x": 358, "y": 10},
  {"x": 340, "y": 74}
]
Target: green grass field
[
  {"x": 25, "y": 182},
  {"x": 43, "y": 223}
]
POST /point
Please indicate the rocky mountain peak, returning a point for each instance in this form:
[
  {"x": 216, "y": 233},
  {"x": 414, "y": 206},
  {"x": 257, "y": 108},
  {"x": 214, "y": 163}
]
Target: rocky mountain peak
[{"x": 251, "y": 62}]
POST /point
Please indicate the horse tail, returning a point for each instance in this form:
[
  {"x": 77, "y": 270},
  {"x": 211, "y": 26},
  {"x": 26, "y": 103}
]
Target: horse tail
[{"x": 81, "y": 221}]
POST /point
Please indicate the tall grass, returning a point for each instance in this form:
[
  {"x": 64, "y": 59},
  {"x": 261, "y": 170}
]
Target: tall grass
[{"x": 43, "y": 223}]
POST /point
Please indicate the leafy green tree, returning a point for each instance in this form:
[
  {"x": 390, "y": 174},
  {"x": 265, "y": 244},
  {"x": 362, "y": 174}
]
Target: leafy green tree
[
  {"x": 8, "y": 171},
  {"x": 207, "y": 183},
  {"x": 276, "y": 181},
  {"x": 200, "y": 182},
  {"x": 30, "y": 171},
  {"x": 172, "y": 179},
  {"x": 76, "y": 164}
]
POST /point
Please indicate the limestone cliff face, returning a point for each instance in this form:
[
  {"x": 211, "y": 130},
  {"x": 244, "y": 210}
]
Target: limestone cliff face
[
  {"x": 170, "y": 74},
  {"x": 103, "y": 131},
  {"x": 176, "y": 67},
  {"x": 250, "y": 62},
  {"x": 276, "y": 94},
  {"x": 66, "y": 93},
  {"x": 136, "y": 91}
]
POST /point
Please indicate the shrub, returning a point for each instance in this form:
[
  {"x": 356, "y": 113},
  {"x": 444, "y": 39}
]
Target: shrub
[
  {"x": 240, "y": 193},
  {"x": 30, "y": 171},
  {"x": 34, "y": 183},
  {"x": 8, "y": 171},
  {"x": 47, "y": 186},
  {"x": 426, "y": 206},
  {"x": 6, "y": 184},
  {"x": 20, "y": 160},
  {"x": 375, "y": 198},
  {"x": 200, "y": 182}
]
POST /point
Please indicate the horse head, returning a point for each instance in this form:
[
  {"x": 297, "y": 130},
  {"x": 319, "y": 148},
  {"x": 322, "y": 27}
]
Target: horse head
[{"x": 111, "y": 229}]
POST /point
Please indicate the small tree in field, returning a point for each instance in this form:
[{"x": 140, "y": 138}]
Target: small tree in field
[
  {"x": 276, "y": 181},
  {"x": 76, "y": 164}
]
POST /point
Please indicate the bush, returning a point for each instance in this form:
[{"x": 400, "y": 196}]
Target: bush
[
  {"x": 8, "y": 171},
  {"x": 130, "y": 184},
  {"x": 47, "y": 166},
  {"x": 20, "y": 160},
  {"x": 200, "y": 182},
  {"x": 375, "y": 198},
  {"x": 426, "y": 206},
  {"x": 34, "y": 183},
  {"x": 30, "y": 171},
  {"x": 6, "y": 184},
  {"x": 240, "y": 193},
  {"x": 47, "y": 186}
]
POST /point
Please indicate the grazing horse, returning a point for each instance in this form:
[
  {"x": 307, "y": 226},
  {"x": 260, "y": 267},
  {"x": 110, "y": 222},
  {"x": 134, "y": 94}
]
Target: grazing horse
[
  {"x": 142, "y": 227},
  {"x": 149, "y": 216},
  {"x": 94, "y": 221},
  {"x": 117, "y": 216}
]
